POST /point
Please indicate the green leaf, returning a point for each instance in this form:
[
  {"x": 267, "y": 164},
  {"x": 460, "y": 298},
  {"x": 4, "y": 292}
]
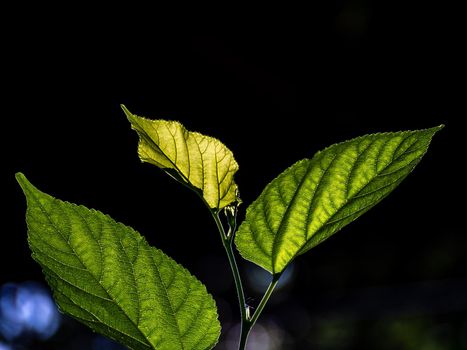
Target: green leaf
[
  {"x": 105, "y": 275},
  {"x": 315, "y": 198},
  {"x": 201, "y": 162}
]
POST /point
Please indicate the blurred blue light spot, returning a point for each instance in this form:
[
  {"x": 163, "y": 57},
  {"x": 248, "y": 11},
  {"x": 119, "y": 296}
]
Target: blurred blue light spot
[
  {"x": 259, "y": 278},
  {"x": 4, "y": 346},
  {"x": 27, "y": 308}
]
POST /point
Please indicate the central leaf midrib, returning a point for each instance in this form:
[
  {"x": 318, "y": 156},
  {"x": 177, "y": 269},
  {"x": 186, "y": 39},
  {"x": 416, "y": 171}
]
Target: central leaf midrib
[
  {"x": 138, "y": 313},
  {"x": 155, "y": 145},
  {"x": 287, "y": 214},
  {"x": 217, "y": 177},
  {"x": 82, "y": 263},
  {"x": 348, "y": 199},
  {"x": 115, "y": 228},
  {"x": 149, "y": 345},
  {"x": 166, "y": 295},
  {"x": 377, "y": 173},
  {"x": 148, "y": 139}
]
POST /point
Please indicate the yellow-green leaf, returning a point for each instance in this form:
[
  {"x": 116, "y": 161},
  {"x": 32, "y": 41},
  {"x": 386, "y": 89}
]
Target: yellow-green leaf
[
  {"x": 105, "y": 275},
  {"x": 201, "y": 162},
  {"x": 315, "y": 198}
]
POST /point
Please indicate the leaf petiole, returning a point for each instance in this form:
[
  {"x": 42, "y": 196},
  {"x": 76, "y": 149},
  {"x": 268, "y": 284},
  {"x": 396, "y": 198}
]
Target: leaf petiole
[
  {"x": 248, "y": 325},
  {"x": 247, "y": 320},
  {"x": 267, "y": 295}
]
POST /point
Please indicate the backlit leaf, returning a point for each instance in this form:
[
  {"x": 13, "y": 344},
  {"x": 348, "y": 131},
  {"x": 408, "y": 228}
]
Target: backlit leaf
[
  {"x": 201, "y": 162},
  {"x": 315, "y": 198},
  {"x": 105, "y": 275}
]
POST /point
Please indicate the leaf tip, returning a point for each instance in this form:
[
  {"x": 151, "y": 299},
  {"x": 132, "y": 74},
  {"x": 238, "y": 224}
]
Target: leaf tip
[
  {"x": 19, "y": 176},
  {"x": 127, "y": 112},
  {"x": 25, "y": 185},
  {"x": 435, "y": 129},
  {"x": 22, "y": 180}
]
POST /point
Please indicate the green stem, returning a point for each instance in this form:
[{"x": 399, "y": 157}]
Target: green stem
[
  {"x": 267, "y": 295},
  {"x": 246, "y": 321},
  {"x": 248, "y": 325},
  {"x": 227, "y": 241}
]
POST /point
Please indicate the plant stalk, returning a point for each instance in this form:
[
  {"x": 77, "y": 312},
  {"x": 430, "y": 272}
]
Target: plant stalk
[
  {"x": 248, "y": 325},
  {"x": 247, "y": 322},
  {"x": 227, "y": 242}
]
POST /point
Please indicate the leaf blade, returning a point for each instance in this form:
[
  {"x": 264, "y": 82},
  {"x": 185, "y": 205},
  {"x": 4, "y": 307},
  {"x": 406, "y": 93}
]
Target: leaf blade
[
  {"x": 201, "y": 162},
  {"x": 315, "y": 198},
  {"x": 106, "y": 275}
]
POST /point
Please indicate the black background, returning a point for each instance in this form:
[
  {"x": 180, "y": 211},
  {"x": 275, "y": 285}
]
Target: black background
[{"x": 275, "y": 86}]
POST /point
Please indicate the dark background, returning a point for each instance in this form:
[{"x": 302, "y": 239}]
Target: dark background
[{"x": 275, "y": 87}]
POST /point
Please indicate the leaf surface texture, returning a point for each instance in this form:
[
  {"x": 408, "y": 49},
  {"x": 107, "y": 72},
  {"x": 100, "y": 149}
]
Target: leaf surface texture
[
  {"x": 315, "y": 198},
  {"x": 105, "y": 275},
  {"x": 201, "y": 162}
]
